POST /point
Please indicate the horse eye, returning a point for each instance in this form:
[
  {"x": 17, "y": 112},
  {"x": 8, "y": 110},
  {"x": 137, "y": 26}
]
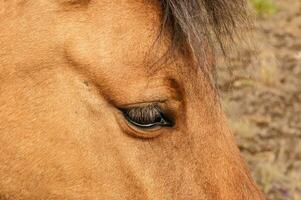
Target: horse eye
[{"x": 147, "y": 117}]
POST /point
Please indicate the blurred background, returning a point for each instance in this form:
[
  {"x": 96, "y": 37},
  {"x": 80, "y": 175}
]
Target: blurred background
[{"x": 261, "y": 91}]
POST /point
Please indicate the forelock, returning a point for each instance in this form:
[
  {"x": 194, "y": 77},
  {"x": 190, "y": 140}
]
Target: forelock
[{"x": 194, "y": 23}]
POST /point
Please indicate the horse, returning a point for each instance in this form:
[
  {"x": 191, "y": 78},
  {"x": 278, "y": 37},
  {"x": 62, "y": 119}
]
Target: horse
[{"x": 117, "y": 100}]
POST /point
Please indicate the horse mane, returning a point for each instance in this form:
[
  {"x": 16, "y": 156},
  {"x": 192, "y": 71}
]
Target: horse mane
[{"x": 195, "y": 23}]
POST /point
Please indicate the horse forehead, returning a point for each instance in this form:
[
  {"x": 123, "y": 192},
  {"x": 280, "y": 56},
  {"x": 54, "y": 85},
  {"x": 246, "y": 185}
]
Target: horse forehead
[
  {"x": 127, "y": 21},
  {"x": 121, "y": 33},
  {"x": 113, "y": 7},
  {"x": 105, "y": 33}
]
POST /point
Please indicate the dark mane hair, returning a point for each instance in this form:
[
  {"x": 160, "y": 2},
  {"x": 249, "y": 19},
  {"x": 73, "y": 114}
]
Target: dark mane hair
[{"x": 196, "y": 22}]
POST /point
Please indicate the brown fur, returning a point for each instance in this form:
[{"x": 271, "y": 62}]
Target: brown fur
[{"x": 66, "y": 67}]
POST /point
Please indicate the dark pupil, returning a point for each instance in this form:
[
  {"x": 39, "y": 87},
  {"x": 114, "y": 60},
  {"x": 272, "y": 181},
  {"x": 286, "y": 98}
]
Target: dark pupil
[{"x": 147, "y": 115}]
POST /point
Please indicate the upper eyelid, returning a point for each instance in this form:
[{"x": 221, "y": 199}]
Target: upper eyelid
[
  {"x": 152, "y": 130},
  {"x": 167, "y": 121},
  {"x": 169, "y": 109},
  {"x": 143, "y": 103},
  {"x": 142, "y": 109}
]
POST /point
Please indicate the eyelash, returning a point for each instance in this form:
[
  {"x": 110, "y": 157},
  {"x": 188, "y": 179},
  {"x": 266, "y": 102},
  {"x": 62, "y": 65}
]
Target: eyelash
[{"x": 147, "y": 117}]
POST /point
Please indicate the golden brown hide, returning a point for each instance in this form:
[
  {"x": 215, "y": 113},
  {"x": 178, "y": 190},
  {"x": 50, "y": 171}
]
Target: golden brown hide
[{"x": 67, "y": 70}]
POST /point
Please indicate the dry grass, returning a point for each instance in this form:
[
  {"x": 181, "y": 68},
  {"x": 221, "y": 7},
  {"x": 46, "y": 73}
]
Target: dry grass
[
  {"x": 262, "y": 97},
  {"x": 264, "y": 7}
]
